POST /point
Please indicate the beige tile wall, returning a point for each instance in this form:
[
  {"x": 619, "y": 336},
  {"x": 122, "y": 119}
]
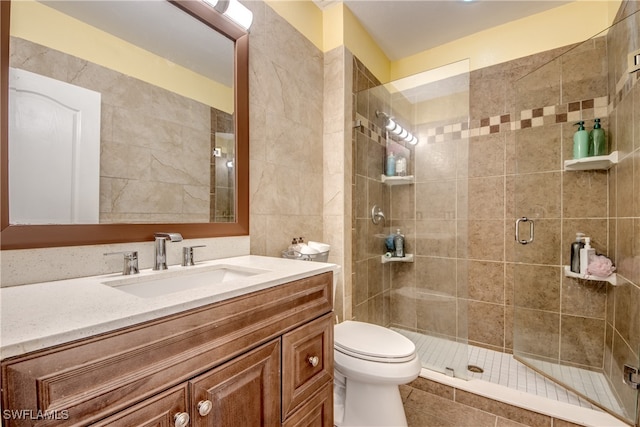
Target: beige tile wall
[
  {"x": 300, "y": 121},
  {"x": 338, "y": 160},
  {"x": 286, "y": 81},
  {"x": 370, "y": 278}
]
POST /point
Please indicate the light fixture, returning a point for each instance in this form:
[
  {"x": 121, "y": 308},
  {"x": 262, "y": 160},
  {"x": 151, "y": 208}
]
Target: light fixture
[
  {"x": 393, "y": 127},
  {"x": 230, "y": 163},
  {"x": 234, "y": 10}
]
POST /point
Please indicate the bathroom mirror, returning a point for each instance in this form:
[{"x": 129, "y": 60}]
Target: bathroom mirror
[{"x": 220, "y": 136}]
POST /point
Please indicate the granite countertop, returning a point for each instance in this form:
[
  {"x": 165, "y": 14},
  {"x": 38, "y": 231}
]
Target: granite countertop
[{"x": 42, "y": 315}]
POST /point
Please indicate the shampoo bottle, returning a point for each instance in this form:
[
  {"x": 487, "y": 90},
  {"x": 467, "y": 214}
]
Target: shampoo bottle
[
  {"x": 398, "y": 241},
  {"x": 580, "y": 142},
  {"x": 575, "y": 252},
  {"x": 390, "y": 168},
  {"x": 586, "y": 254},
  {"x": 597, "y": 142}
]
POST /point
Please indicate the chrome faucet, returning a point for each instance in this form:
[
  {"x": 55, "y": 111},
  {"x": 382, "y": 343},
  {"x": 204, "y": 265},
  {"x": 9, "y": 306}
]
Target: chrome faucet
[{"x": 160, "y": 258}]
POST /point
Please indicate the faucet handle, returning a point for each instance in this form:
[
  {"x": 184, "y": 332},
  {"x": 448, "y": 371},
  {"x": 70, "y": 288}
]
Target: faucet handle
[
  {"x": 130, "y": 265},
  {"x": 187, "y": 255}
]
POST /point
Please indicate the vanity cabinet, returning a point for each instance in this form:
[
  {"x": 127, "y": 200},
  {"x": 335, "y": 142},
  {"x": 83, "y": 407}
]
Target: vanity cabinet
[{"x": 265, "y": 358}]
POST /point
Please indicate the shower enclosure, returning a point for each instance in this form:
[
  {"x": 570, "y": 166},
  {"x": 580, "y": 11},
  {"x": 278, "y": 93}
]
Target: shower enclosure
[{"x": 491, "y": 152}]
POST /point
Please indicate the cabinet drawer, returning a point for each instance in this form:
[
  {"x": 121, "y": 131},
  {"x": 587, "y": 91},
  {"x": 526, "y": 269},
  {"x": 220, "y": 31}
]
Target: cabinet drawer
[
  {"x": 156, "y": 411},
  {"x": 316, "y": 412},
  {"x": 307, "y": 362}
]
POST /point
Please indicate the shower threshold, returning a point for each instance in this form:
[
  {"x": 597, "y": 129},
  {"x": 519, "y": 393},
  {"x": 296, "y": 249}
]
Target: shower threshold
[{"x": 503, "y": 369}]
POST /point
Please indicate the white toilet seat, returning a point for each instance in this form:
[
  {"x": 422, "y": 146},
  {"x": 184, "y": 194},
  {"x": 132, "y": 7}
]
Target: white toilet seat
[
  {"x": 366, "y": 341},
  {"x": 367, "y": 371}
]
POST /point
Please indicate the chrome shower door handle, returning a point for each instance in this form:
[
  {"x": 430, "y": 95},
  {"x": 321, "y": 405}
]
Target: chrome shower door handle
[{"x": 531, "y": 229}]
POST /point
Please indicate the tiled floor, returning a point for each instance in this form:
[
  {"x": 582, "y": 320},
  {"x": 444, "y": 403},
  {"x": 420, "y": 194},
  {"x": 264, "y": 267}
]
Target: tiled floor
[{"x": 501, "y": 368}]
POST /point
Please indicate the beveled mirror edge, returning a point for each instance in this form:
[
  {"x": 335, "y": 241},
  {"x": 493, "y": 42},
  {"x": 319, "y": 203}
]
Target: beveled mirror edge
[{"x": 44, "y": 236}]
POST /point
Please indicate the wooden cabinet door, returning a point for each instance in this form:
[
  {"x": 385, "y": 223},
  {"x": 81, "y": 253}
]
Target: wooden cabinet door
[
  {"x": 158, "y": 411},
  {"x": 243, "y": 392}
]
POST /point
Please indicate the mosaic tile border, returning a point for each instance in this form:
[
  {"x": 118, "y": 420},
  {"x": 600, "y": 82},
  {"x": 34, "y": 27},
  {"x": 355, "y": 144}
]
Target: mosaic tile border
[{"x": 572, "y": 112}]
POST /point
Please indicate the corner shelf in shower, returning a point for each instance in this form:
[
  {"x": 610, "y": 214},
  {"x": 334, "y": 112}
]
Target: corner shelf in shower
[
  {"x": 397, "y": 180},
  {"x": 611, "y": 279},
  {"x": 592, "y": 163},
  {"x": 406, "y": 258}
]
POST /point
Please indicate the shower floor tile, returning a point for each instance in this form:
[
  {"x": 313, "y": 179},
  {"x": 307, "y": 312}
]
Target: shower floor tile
[{"x": 439, "y": 354}]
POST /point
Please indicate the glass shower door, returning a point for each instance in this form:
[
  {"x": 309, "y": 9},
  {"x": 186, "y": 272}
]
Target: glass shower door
[
  {"x": 574, "y": 331},
  {"x": 426, "y": 304}
]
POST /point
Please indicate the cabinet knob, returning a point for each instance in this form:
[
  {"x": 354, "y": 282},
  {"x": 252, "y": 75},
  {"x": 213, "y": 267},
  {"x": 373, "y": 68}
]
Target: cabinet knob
[
  {"x": 181, "y": 419},
  {"x": 313, "y": 360},
  {"x": 204, "y": 407}
]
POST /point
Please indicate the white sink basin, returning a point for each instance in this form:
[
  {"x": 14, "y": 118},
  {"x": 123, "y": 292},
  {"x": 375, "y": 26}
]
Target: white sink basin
[{"x": 170, "y": 281}]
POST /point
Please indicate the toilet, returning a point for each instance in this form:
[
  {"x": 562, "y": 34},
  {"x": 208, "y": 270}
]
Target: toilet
[{"x": 370, "y": 363}]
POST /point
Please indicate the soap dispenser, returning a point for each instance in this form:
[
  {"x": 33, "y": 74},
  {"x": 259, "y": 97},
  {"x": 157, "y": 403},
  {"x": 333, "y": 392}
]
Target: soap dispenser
[
  {"x": 580, "y": 142},
  {"x": 586, "y": 254},
  {"x": 575, "y": 252},
  {"x": 597, "y": 142}
]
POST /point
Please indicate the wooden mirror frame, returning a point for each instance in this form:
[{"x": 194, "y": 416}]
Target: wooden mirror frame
[{"x": 42, "y": 236}]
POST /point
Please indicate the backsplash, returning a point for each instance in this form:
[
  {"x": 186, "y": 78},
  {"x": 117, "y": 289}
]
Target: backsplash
[{"x": 26, "y": 266}]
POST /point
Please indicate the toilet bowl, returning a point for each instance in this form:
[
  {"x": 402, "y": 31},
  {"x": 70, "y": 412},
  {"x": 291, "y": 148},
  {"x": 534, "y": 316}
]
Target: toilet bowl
[{"x": 370, "y": 363}]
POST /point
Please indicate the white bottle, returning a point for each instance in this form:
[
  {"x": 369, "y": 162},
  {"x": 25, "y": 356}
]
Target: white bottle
[
  {"x": 401, "y": 166},
  {"x": 586, "y": 254}
]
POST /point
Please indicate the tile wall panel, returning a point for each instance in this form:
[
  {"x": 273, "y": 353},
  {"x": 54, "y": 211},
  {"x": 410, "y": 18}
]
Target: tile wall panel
[{"x": 286, "y": 80}]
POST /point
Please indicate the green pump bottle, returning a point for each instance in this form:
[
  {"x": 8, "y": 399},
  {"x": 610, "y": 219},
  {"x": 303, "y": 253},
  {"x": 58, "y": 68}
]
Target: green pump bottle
[
  {"x": 597, "y": 141},
  {"x": 580, "y": 142}
]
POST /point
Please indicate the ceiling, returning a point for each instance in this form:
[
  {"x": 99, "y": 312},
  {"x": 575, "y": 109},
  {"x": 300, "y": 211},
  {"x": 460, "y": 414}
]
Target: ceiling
[{"x": 403, "y": 28}]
